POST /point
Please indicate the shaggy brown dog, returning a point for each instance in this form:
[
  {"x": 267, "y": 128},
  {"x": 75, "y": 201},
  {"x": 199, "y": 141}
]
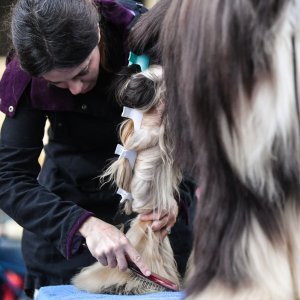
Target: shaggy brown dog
[{"x": 232, "y": 73}]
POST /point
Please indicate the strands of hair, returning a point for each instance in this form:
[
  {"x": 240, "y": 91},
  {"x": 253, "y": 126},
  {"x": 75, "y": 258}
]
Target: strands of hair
[
  {"x": 233, "y": 77},
  {"x": 154, "y": 164},
  {"x": 39, "y": 31},
  {"x": 152, "y": 183}
]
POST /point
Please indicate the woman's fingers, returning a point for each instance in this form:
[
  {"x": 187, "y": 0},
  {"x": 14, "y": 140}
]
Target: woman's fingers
[
  {"x": 135, "y": 257},
  {"x": 161, "y": 223},
  {"x": 111, "y": 260},
  {"x": 122, "y": 261},
  {"x": 102, "y": 260}
]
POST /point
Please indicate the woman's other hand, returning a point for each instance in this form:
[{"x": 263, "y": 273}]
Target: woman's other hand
[{"x": 162, "y": 221}]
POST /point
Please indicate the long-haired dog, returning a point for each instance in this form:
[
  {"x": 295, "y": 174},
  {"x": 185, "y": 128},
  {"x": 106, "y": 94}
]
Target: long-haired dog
[
  {"x": 232, "y": 72},
  {"x": 150, "y": 183}
]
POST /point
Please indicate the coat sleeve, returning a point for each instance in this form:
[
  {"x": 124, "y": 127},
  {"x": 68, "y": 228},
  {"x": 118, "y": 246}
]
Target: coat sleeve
[{"x": 21, "y": 196}]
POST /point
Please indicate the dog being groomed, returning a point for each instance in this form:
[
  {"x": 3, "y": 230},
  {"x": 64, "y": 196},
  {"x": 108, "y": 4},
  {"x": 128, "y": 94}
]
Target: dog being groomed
[{"x": 233, "y": 77}]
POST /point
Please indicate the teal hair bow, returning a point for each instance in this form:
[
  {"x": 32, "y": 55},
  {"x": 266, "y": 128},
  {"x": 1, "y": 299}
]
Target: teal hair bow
[{"x": 141, "y": 60}]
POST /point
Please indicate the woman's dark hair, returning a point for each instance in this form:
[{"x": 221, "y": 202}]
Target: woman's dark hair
[{"x": 49, "y": 34}]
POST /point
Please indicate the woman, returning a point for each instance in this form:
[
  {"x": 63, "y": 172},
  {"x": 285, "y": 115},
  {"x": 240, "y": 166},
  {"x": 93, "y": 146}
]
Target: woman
[{"x": 66, "y": 55}]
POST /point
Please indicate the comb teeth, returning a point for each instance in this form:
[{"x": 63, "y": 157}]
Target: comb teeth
[
  {"x": 138, "y": 285},
  {"x": 146, "y": 284},
  {"x": 159, "y": 281}
]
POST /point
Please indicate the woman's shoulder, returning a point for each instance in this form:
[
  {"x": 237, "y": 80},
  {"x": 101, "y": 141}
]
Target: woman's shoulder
[{"x": 12, "y": 85}]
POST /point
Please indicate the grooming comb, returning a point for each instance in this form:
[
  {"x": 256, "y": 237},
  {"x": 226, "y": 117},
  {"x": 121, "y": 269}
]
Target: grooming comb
[{"x": 154, "y": 281}]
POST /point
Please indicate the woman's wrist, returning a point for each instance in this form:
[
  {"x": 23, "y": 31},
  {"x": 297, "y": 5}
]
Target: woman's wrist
[
  {"x": 90, "y": 224},
  {"x": 86, "y": 226}
]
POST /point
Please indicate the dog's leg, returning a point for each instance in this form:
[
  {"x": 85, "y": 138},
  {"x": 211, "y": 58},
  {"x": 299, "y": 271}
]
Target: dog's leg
[
  {"x": 97, "y": 278},
  {"x": 156, "y": 253}
]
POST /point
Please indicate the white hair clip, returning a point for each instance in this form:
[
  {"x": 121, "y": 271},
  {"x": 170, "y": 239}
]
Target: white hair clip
[
  {"x": 125, "y": 195},
  {"x": 129, "y": 154},
  {"x": 135, "y": 114}
]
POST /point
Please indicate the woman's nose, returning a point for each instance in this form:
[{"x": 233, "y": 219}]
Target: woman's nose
[{"x": 75, "y": 86}]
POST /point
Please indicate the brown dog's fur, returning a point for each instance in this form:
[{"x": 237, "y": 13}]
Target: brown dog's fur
[{"x": 232, "y": 90}]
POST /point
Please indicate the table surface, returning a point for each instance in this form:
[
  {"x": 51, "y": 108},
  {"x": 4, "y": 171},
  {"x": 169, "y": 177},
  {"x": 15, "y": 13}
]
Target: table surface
[{"x": 69, "y": 292}]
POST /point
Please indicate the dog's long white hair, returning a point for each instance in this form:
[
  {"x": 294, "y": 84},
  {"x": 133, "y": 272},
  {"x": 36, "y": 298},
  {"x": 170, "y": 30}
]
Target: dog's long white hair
[
  {"x": 232, "y": 71},
  {"x": 152, "y": 184}
]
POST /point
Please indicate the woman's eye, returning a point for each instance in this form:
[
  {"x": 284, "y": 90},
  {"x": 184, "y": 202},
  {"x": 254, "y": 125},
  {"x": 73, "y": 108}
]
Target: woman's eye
[{"x": 83, "y": 72}]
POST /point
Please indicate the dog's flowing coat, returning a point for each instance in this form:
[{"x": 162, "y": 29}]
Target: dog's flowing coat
[
  {"x": 152, "y": 183},
  {"x": 233, "y": 77}
]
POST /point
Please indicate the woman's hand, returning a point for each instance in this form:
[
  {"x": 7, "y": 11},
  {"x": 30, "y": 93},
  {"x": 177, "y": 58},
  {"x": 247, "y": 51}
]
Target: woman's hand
[
  {"x": 110, "y": 246},
  {"x": 162, "y": 221}
]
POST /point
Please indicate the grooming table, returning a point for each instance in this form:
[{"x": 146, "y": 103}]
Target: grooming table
[{"x": 69, "y": 292}]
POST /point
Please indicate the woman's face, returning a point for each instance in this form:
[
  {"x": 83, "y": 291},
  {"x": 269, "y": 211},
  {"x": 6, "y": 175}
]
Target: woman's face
[{"x": 80, "y": 79}]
